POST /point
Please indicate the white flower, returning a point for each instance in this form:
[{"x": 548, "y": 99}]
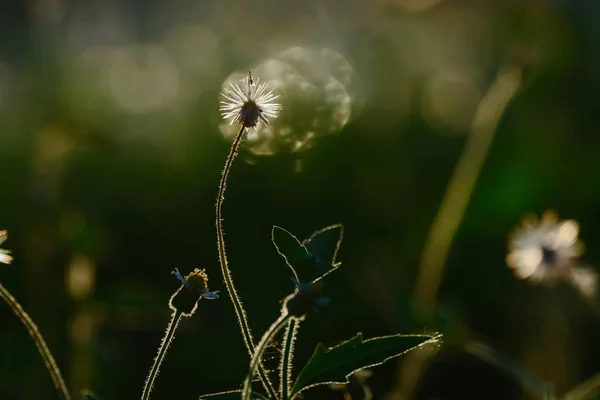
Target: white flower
[
  {"x": 5, "y": 256},
  {"x": 249, "y": 102},
  {"x": 545, "y": 250}
]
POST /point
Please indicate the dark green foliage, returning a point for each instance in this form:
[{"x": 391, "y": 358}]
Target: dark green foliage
[
  {"x": 294, "y": 253},
  {"x": 335, "y": 364},
  {"x": 315, "y": 257}
]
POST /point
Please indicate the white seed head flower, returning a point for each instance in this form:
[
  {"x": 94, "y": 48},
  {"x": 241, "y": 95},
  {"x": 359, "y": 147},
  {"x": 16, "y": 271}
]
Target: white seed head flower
[
  {"x": 249, "y": 102},
  {"x": 5, "y": 256},
  {"x": 545, "y": 250}
]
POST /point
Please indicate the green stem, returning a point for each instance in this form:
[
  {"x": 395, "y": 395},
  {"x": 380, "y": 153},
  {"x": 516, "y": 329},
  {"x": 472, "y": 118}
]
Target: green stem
[
  {"x": 287, "y": 356},
  {"x": 38, "y": 339},
  {"x": 463, "y": 180},
  {"x": 237, "y": 302},
  {"x": 162, "y": 351},
  {"x": 585, "y": 390},
  {"x": 530, "y": 383},
  {"x": 260, "y": 349},
  {"x": 454, "y": 204}
]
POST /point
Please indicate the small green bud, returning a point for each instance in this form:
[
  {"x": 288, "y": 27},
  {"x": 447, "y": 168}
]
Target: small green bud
[{"x": 194, "y": 287}]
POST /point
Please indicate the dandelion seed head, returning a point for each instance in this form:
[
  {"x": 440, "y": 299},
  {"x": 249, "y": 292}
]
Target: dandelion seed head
[
  {"x": 249, "y": 103},
  {"x": 5, "y": 257}
]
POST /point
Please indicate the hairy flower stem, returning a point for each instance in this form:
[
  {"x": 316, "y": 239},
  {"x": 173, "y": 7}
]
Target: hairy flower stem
[
  {"x": 287, "y": 356},
  {"x": 281, "y": 322},
  {"x": 237, "y": 302},
  {"x": 162, "y": 351},
  {"x": 59, "y": 382}
]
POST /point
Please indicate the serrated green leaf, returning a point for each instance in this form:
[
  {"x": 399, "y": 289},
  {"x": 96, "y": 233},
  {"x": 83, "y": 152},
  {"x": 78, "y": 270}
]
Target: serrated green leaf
[
  {"x": 294, "y": 253},
  {"x": 325, "y": 244},
  {"x": 232, "y": 394},
  {"x": 335, "y": 364}
]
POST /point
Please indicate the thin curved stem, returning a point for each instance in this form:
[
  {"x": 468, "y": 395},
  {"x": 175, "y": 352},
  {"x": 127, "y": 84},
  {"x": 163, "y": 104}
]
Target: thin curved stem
[
  {"x": 287, "y": 356},
  {"x": 585, "y": 389},
  {"x": 260, "y": 349},
  {"x": 237, "y": 302},
  {"x": 162, "y": 351},
  {"x": 40, "y": 343},
  {"x": 455, "y": 201},
  {"x": 460, "y": 187},
  {"x": 530, "y": 383}
]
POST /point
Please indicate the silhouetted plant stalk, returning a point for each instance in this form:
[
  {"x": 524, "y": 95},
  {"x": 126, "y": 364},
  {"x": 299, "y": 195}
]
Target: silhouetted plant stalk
[
  {"x": 267, "y": 338},
  {"x": 287, "y": 357},
  {"x": 585, "y": 390},
  {"x": 305, "y": 298},
  {"x": 183, "y": 303},
  {"x": 162, "y": 351},
  {"x": 235, "y": 298},
  {"x": 246, "y": 104},
  {"x": 38, "y": 339}
]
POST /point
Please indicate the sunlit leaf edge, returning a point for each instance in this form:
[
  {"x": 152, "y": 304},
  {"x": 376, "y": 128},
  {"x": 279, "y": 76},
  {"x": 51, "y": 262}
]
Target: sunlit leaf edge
[
  {"x": 432, "y": 339},
  {"x": 327, "y": 228},
  {"x": 335, "y": 265},
  {"x": 230, "y": 394},
  {"x": 279, "y": 251}
]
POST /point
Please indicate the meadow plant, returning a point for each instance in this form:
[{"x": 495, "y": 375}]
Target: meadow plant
[
  {"x": 183, "y": 303},
  {"x": 250, "y": 104},
  {"x": 542, "y": 251},
  {"x": 32, "y": 329}
]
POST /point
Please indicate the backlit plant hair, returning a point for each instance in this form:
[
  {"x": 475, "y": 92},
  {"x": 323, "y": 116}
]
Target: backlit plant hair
[
  {"x": 32, "y": 329},
  {"x": 183, "y": 303},
  {"x": 247, "y": 104}
]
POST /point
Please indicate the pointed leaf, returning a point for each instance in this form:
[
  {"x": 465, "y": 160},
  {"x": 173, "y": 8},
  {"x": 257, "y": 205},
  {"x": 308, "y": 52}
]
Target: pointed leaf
[
  {"x": 313, "y": 258},
  {"x": 325, "y": 244},
  {"x": 294, "y": 253},
  {"x": 335, "y": 364},
  {"x": 232, "y": 394}
]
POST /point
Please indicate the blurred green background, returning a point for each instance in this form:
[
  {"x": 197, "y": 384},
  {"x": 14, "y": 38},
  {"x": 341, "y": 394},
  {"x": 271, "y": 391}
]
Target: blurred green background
[{"x": 111, "y": 149}]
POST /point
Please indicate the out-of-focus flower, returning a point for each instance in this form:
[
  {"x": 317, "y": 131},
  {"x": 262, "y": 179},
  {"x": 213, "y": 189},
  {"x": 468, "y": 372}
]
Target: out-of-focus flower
[
  {"x": 5, "y": 256},
  {"x": 249, "y": 102},
  {"x": 544, "y": 250},
  {"x": 548, "y": 250},
  {"x": 194, "y": 287},
  {"x": 356, "y": 388}
]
